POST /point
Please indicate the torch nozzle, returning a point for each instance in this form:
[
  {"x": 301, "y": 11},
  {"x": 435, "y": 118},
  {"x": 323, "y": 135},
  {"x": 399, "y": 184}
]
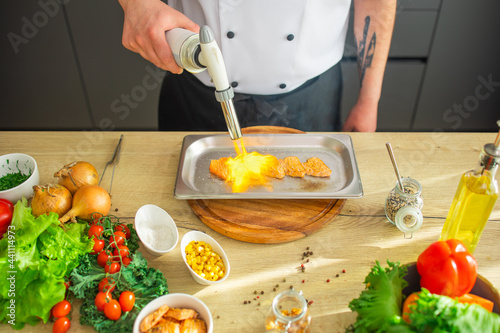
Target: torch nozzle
[
  {"x": 211, "y": 57},
  {"x": 231, "y": 118}
]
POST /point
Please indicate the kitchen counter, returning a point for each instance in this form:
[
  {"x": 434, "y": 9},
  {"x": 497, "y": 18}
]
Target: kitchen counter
[{"x": 348, "y": 246}]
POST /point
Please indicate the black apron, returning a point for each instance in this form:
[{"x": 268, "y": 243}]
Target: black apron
[{"x": 186, "y": 104}]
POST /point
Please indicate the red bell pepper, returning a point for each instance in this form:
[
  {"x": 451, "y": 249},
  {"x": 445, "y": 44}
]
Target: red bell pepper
[
  {"x": 6, "y": 210},
  {"x": 447, "y": 268}
]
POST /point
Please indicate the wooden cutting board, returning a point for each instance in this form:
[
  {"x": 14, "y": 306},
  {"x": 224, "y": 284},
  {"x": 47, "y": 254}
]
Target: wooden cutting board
[{"x": 266, "y": 220}]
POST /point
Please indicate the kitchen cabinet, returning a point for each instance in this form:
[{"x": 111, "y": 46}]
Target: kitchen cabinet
[
  {"x": 40, "y": 86},
  {"x": 461, "y": 88},
  {"x": 410, "y": 48},
  {"x": 122, "y": 87},
  {"x": 454, "y": 44},
  {"x": 71, "y": 71}
]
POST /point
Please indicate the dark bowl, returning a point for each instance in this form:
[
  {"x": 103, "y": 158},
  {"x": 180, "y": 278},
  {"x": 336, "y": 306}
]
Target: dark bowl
[{"x": 482, "y": 287}]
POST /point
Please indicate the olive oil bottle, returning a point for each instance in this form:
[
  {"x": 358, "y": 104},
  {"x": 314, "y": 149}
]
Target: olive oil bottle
[{"x": 474, "y": 200}]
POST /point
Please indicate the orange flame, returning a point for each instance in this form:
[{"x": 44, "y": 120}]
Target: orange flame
[{"x": 247, "y": 169}]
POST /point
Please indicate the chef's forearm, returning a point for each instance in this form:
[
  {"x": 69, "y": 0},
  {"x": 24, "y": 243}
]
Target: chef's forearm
[
  {"x": 124, "y": 3},
  {"x": 373, "y": 26}
]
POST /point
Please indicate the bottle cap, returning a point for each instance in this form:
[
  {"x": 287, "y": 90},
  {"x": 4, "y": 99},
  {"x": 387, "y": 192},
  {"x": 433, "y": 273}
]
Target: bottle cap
[
  {"x": 409, "y": 219},
  {"x": 490, "y": 156}
]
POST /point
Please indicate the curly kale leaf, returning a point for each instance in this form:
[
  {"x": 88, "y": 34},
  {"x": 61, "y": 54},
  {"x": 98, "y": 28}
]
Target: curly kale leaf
[
  {"x": 86, "y": 277},
  {"x": 133, "y": 241},
  {"x": 145, "y": 282}
]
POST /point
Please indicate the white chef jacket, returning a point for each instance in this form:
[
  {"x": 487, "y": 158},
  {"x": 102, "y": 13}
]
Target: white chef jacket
[{"x": 272, "y": 46}]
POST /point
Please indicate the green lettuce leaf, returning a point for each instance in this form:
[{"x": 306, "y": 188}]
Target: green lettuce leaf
[
  {"x": 379, "y": 305},
  {"x": 438, "y": 313},
  {"x": 38, "y": 258},
  {"x": 379, "y": 308}
]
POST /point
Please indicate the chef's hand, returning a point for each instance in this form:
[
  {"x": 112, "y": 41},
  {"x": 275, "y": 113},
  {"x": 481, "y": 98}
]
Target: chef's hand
[
  {"x": 144, "y": 30},
  {"x": 362, "y": 118}
]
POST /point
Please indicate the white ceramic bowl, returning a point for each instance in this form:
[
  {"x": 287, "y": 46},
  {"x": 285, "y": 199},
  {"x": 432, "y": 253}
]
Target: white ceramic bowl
[
  {"x": 201, "y": 236},
  {"x": 177, "y": 301},
  {"x": 156, "y": 229},
  {"x": 9, "y": 164}
]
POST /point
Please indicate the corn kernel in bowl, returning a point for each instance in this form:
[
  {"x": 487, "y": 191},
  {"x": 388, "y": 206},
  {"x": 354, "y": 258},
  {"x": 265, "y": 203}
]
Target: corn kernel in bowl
[{"x": 204, "y": 261}]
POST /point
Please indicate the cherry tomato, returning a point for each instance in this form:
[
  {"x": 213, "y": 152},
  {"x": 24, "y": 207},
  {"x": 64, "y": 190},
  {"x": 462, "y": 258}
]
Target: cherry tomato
[
  {"x": 106, "y": 285},
  {"x": 102, "y": 299},
  {"x": 123, "y": 228},
  {"x": 102, "y": 258},
  {"x": 98, "y": 246},
  {"x": 61, "y": 325},
  {"x": 6, "y": 211},
  {"x": 123, "y": 249},
  {"x": 126, "y": 261},
  {"x": 112, "y": 310},
  {"x": 112, "y": 268},
  {"x": 95, "y": 218},
  {"x": 67, "y": 284},
  {"x": 95, "y": 231},
  {"x": 61, "y": 309},
  {"x": 119, "y": 237},
  {"x": 127, "y": 300}
]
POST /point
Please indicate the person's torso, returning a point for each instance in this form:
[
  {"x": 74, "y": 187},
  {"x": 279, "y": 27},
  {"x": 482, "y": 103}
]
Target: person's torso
[{"x": 272, "y": 46}]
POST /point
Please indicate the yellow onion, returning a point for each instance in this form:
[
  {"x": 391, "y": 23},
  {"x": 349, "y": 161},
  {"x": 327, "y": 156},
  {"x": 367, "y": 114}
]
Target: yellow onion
[
  {"x": 50, "y": 198},
  {"x": 87, "y": 200},
  {"x": 77, "y": 174}
]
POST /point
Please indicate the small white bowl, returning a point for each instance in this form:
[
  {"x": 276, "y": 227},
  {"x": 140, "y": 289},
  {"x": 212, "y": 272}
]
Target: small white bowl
[
  {"x": 184, "y": 301},
  {"x": 203, "y": 237},
  {"x": 156, "y": 229},
  {"x": 9, "y": 164}
]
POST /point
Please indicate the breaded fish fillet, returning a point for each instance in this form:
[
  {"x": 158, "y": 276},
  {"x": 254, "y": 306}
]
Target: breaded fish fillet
[
  {"x": 278, "y": 168},
  {"x": 317, "y": 168},
  {"x": 153, "y": 318},
  {"x": 219, "y": 168},
  {"x": 166, "y": 327},
  {"x": 193, "y": 326},
  {"x": 273, "y": 168},
  {"x": 181, "y": 314},
  {"x": 293, "y": 167}
]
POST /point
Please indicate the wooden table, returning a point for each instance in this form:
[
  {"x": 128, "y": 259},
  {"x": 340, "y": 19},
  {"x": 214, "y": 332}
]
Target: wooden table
[{"x": 352, "y": 242}]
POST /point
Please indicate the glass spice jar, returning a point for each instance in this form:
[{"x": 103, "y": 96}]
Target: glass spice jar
[
  {"x": 403, "y": 207},
  {"x": 289, "y": 313}
]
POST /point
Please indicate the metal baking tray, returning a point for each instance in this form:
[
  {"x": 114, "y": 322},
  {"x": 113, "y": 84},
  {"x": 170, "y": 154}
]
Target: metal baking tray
[{"x": 194, "y": 180}]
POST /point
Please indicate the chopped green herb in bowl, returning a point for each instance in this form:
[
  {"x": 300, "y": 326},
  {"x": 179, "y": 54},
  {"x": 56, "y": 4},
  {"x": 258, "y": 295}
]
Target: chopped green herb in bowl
[
  {"x": 18, "y": 175},
  {"x": 14, "y": 179}
]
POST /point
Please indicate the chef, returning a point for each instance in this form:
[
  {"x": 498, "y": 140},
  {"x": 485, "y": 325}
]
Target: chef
[{"x": 282, "y": 59}]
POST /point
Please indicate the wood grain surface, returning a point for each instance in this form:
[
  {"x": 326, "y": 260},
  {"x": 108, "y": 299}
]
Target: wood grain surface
[
  {"x": 266, "y": 220},
  {"x": 352, "y": 242}
]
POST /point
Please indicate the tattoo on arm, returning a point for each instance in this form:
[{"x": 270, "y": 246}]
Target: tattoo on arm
[{"x": 365, "y": 60}]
